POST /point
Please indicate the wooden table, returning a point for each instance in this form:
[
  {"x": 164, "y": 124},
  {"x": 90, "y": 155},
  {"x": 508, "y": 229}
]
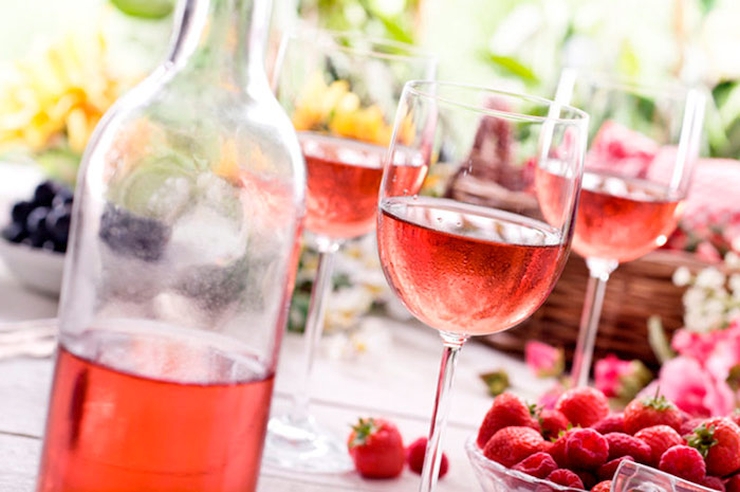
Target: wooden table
[{"x": 396, "y": 382}]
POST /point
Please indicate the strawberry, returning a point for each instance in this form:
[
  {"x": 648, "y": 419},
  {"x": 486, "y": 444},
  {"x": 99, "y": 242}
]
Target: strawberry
[
  {"x": 621, "y": 444},
  {"x": 732, "y": 484},
  {"x": 376, "y": 447},
  {"x": 614, "y": 422},
  {"x": 565, "y": 477},
  {"x": 583, "y": 406},
  {"x": 586, "y": 449},
  {"x": 539, "y": 464},
  {"x": 552, "y": 422},
  {"x": 659, "y": 438},
  {"x": 718, "y": 440},
  {"x": 652, "y": 410},
  {"x": 506, "y": 410},
  {"x": 684, "y": 462},
  {"x": 510, "y": 445},
  {"x": 415, "y": 453}
]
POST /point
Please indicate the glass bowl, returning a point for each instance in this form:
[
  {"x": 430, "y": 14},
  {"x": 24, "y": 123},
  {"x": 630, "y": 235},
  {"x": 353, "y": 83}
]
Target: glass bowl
[
  {"x": 494, "y": 477},
  {"x": 629, "y": 477}
]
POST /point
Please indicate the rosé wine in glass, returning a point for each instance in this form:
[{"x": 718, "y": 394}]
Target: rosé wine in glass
[
  {"x": 637, "y": 174},
  {"x": 475, "y": 215},
  {"x": 467, "y": 269},
  {"x": 623, "y": 219},
  {"x": 340, "y": 91},
  {"x": 343, "y": 177}
]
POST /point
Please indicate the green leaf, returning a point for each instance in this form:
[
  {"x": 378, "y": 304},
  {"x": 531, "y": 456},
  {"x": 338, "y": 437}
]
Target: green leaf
[
  {"x": 514, "y": 67},
  {"x": 145, "y": 9}
]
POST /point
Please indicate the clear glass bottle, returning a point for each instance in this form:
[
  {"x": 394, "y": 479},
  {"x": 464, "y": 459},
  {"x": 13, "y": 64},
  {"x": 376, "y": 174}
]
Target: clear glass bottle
[{"x": 183, "y": 251}]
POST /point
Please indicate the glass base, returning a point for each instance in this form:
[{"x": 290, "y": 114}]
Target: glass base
[{"x": 303, "y": 446}]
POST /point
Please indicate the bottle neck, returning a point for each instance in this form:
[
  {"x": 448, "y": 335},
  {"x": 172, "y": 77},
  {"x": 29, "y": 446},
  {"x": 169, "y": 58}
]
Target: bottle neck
[{"x": 225, "y": 38}]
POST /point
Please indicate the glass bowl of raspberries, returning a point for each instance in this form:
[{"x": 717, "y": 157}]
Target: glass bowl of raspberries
[{"x": 580, "y": 443}]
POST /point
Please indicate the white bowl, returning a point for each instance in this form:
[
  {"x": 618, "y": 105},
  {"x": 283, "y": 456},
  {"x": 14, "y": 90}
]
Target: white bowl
[{"x": 38, "y": 269}]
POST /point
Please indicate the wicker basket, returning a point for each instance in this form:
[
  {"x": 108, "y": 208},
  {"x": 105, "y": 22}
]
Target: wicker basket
[{"x": 636, "y": 291}]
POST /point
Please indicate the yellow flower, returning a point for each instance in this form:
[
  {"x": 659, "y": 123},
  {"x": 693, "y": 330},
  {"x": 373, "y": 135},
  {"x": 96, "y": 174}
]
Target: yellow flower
[
  {"x": 57, "y": 98},
  {"x": 334, "y": 108}
]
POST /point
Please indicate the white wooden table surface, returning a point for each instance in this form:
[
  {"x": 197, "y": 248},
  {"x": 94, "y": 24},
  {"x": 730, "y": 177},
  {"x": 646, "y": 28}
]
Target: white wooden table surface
[{"x": 397, "y": 382}]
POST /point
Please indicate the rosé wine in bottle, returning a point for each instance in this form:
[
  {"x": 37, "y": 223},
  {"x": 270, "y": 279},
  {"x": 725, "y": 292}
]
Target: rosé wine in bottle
[
  {"x": 467, "y": 269},
  {"x": 623, "y": 219},
  {"x": 111, "y": 429},
  {"x": 343, "y": 177}
]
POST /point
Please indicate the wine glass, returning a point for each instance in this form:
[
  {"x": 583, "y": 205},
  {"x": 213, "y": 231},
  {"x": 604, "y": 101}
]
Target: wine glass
[
  {"x": 341, "y": 91},
  {"x": 643, "y": 142},
  {"x": 476, "y": 213}
]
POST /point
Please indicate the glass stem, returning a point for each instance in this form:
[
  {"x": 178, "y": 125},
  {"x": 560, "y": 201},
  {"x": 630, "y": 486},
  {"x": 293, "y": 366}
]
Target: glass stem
[
  {"x": 433, "y": 458},
  {"x": 320, "y": 290},
  {"x": 599, "y": 272}
]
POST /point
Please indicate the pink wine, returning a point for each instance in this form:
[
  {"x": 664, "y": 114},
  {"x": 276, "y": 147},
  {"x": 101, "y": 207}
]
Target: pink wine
[
  {"x": 113, "y": 430},
  {"x": 467, "y": 269},
  {"x": 621, "y": 219},
  {"x": 343, "y": 178}
]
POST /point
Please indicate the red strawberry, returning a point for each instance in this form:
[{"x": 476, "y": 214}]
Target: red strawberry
[
  {"x": 539, "y": 464},
  {"x": 652, "y": 410},
  {"x": 684, "y": 462},
  {"x": 510, "y": 445},
  {"x": 376, "y": 447},
  {"x": 659, "y": 438},
  {"x": 565, "y": 477},
  {"x": 718, "y": 440},
  {"x": 583, "y": 406},
  {"x": 621, "y": 444},
  {"x": 415, "y": 453},
  {"x": 552, "y": 422},
  {"x": 614, "y": 422},
  {"x": 586, "y": 449},
  {"x": 732, "y": 484},
  {"x": 506, "y": 410}
]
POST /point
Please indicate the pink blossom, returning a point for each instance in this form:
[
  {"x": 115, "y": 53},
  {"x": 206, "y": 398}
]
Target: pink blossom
[
  {"x": 544, "y": 360},
  {"x": 695, "y": 345},
  {"x": 692, "y": 388},
  {"x": 608, "y": 372}
]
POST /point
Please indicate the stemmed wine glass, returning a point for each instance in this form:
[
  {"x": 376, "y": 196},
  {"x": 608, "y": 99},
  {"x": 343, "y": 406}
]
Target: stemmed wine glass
[
  {"x": 476, "y": 213},
  {"x": 643, "y": 142},
  {"x": 341, "y": 91}
]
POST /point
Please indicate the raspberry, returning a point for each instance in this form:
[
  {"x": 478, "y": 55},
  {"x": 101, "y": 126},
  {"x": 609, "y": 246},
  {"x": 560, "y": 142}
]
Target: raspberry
[
  {"x": 603, "y": 486},
  {"x": 415, "y": 453},
  {"x": 565, "y": 477},
  {"x": 583, "y": 406},
  {"x": 732, "y": 484},
  {"x": 684, "y": 462},
  {"x": 608, "y": 469},
  {"x": 659, "y": 438},
  {"x": 538, "y": 465},
  {"x": 586, "y": 449},
  {"x": 714, "y": 483},
  {"x": 510, "y": 445},
  {"x": 614, "y": 422},
  {"x": 557, "y": 450},
  {"x": 621, "y": 444}
]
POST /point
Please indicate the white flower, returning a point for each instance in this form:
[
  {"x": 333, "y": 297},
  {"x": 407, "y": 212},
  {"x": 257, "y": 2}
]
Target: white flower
[
  {"x": 710, "y": 278},
  {"x": 732, "y": 259},
  {"x": 682, "y": 276},
  {"x": 734, "y": 285}
]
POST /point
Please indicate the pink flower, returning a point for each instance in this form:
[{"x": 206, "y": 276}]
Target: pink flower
[
  {"x": 620, "y": 378},
  {"x": 695, "y": 345},
  {"x": 544, "y": 360},
  {"x": 692, "y": 388}
]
